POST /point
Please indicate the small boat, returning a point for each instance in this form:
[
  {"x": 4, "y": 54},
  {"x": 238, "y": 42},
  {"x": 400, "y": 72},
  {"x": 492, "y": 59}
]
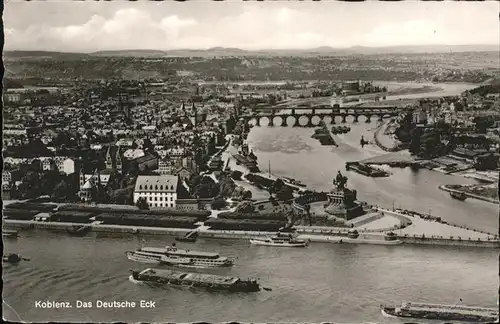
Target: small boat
[
  {"x": 353, "y": 234},
  {"x": 79, "y": 231},
  {"x": 195, "y": 280},
  {"x": 10, "y": 233},
  {"x": 190, "y": 237},
  {"x": 458, "y": 195},
  {"x": 13, "y": 258},
  {"x": 282, "y": 239},
  {"x": 294, "y": 182},
  {"x": 391, "y": 236},
  {"x": 460, "y": 313}
]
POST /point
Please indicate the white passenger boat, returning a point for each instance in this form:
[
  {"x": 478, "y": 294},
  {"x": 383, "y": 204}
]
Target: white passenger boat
[
  {"x": 175, "y": 260},
  {"x": 143, "y": 257},
  {"x": 285, "y": 240},
  {"x": 173, "y": 256}
]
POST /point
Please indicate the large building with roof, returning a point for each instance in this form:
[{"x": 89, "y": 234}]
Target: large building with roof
[{"x": 158, "y": 190}]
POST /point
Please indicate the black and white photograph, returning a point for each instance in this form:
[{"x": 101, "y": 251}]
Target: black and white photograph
[{"x": 251, "y": 161}]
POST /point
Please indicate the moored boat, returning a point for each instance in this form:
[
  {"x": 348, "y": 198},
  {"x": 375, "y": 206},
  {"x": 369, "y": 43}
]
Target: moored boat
[
  {"x": 352, "y": 234},
  {"x": 458, "y": 195},
  {"x": 13, "y": 258},
  {"x": 190, "y": 237},
  {"x": 79, "y": 231},
  {"x": 198, "y": 280},
  {"x": 172, "y": 256},
  {"x": 10, "y": 233},
  {"x": 281, "y": 239},
  {"x": 294, "y": 182},
  {"x": 390, "y": 236},
  {"x": 441, "y": 312}
]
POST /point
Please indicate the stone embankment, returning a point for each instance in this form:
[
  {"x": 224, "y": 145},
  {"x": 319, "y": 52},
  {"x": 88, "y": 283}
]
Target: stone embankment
[
  {"x": 377, "y": 139},
  {"x": 488, "y": 199},
  {"x": 313, "y": 234},
  {"x": 422, "y": 231}
]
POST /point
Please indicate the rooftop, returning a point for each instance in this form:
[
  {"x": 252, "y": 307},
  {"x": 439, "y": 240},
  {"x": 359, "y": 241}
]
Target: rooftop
[{"x": 158, "y": 183}]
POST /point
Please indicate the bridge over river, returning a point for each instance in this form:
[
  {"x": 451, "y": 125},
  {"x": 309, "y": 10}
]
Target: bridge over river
[{"x": 276, "y": 117}]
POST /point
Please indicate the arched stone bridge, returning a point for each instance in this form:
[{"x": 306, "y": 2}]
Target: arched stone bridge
[{"x": 280, "y": 119}]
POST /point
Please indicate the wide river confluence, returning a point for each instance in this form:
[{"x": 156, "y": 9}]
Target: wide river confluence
[{"x": 323, "y": 282}]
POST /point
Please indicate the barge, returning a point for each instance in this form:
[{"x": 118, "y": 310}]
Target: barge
[
  {"x": 366, "y": 170},
  {"x": 198, "y": 280},
  {"x": 10, "y": 233},
  {"x": 458, "y": 195},
  {"x": 246, "y": 161},
  {"x": 442, "y": 312}
]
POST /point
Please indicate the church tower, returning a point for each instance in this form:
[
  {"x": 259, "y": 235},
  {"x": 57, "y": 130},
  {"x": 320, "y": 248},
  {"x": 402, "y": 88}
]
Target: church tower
[
  {"x": 118, "y": 161},
  {"x": 109, "y": 161},
  {"x": 82, "y": 178}
]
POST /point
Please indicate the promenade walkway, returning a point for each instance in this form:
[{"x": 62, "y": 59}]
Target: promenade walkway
[{"x": 430, "y": 229}]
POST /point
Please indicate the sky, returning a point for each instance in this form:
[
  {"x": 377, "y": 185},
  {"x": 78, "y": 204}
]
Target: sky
[{"x": 69, "y": 26}]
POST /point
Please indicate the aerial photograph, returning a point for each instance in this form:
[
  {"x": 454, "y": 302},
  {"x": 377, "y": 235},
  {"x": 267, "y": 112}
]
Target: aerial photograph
[{"x": 251, "y": 162}]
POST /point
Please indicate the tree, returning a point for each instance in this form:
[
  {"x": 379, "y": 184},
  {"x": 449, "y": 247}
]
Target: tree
[
  {"x": 278, "y": 185},
  {"x": 30, "y": 185},
  {"x": 62, "y": 192},
  {"x": 247, "y": 195},
  {"x": 218, "y": 204},
  {"x": 147, "y": 145},
  {"x": 482, "y": 124},
  {"x": 142, "y": 204},
  {"x": 415, "y": 141},
  {"x": 49, "y": 181},
  {"x": 245, "y": 207},
  {"x": 207, "y": 188},
  {"x": 236, "y": 175},
  {"x": 227, "y": 187},
  {"x": 285, "y": 194}
]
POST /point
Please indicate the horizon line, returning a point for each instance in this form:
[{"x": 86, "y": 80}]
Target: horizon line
[{"x": 253, "y": 50}]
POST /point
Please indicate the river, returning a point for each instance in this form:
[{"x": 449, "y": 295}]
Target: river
[
  {"x": 293, "y": 153},
  {"x": 323, "y": 282}
]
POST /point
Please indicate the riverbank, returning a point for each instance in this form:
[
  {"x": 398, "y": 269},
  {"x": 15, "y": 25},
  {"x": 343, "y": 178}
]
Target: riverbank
[
  {"x": 403, "y": 158},
  {"x": 466, "y": 190},
  {"x": 384, "y": 138},
  {"x": 313, "y": 234}
]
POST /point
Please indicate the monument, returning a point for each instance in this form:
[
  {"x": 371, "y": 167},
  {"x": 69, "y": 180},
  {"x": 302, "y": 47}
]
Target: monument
[{"x": 342, "y": 200}]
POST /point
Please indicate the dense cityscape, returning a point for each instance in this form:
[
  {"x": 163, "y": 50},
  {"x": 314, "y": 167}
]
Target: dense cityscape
[{"x": 328, "y": 184}]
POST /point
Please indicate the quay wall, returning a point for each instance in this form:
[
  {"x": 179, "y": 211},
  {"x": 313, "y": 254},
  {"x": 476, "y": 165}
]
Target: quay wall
[
  {"x": 318, "y": 236},
  {"x": 449, "y": 242},
  {"x": 446, "y": 188}
]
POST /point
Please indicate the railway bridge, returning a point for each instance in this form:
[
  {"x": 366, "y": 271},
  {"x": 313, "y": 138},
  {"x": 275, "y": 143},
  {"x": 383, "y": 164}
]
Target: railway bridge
[{"x": 276, "y": 117}]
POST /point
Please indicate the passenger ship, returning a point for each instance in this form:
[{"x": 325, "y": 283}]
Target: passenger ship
[
  {"x": 282, "y": 239},
  {"x": 175, "y": 257}
]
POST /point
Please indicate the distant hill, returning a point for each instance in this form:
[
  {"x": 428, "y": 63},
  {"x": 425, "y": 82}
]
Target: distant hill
[
  {"x": 422, "y": 49},
  {"x": 41, "y": 54},
  {"x": 224, "y": 52},
  {"x": 131, "y": 53}
]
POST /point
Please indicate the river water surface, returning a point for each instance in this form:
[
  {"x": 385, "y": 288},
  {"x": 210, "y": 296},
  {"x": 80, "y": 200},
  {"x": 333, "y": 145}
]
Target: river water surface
[
  {"x": 323, "y": 282},
  {"x": 293, "y": 153}
]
